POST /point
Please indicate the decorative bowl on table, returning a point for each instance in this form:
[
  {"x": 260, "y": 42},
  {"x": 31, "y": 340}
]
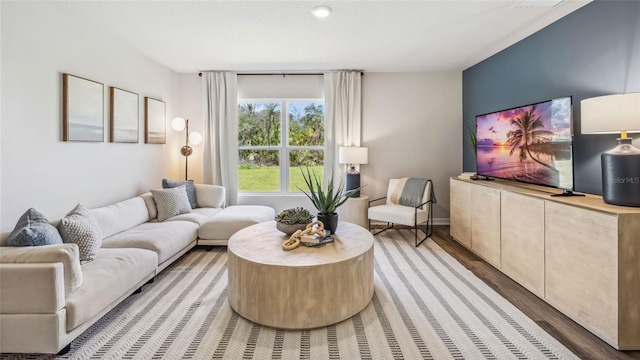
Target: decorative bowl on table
[{"x": 291, "y": 220}]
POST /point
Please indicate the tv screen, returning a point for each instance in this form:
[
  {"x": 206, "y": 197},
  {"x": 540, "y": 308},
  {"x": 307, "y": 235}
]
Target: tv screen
[{"x": 529, "y": 143}]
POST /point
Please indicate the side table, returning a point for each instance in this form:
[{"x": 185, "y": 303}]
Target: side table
[{"x": 356, "y": 211}]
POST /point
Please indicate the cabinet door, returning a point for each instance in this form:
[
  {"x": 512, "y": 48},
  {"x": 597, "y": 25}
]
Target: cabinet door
[
  {"x": 581, "y": 250},
  {"x": 522, "y": 240},
  {"x": 485, "y": 223},
  {"x": 460, "y": 211}
]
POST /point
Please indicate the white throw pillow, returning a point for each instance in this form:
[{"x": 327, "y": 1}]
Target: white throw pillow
[
  {"x": 171, "y": 202},
  {"x": 81, "y": 228}
]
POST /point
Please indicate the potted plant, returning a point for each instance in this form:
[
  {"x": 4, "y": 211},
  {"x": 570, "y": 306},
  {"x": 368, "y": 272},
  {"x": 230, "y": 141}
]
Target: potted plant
[
  {"x": 290, "y": 220},
  {"x": 326, "y": 200}
]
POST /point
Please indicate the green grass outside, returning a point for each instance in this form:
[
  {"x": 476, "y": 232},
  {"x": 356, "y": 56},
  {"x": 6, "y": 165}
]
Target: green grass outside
[{"x": 267, "y": 178}]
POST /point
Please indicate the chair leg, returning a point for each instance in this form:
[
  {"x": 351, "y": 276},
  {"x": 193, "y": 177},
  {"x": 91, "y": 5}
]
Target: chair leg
[
  {"x": 389, "y": 226},
  {"x": 428, "y": 229}
]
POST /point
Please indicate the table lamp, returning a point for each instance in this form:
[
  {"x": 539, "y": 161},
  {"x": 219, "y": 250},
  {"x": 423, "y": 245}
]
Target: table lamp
[
  {"x": 353, "y": 156},
  {"x": 621, "y": 165},
  {"x": 193, "y": 138}
]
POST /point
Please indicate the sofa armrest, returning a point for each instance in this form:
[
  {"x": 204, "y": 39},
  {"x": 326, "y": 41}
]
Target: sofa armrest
[
  {"x": 210, "y": 195},
  {"x": 31, "y": 288},
  {"x": 66, "y": 254}
]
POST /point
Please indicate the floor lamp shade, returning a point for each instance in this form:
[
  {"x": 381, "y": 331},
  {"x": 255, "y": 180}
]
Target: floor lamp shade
[
  {"x": 353, "y": 156},
  {"x": 621, "y": 165}
]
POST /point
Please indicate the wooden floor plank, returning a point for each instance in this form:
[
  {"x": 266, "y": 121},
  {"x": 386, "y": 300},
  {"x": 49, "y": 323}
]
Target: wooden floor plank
[{"x": 576, "y": 338}]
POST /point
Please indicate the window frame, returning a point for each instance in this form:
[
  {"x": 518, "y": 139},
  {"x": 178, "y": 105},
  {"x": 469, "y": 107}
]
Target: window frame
[{"x": 284, "y": 148}]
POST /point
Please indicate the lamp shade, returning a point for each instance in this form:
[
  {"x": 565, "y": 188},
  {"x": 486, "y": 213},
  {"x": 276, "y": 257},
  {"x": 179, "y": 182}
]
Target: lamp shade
[
  {"x": 195, "y": 138},
  {"x": 611, "y": 114},
  {"x": 353, "y": 155},
  {"x": 178, "y": 124}
]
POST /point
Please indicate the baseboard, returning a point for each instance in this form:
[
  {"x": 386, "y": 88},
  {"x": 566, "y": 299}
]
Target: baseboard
[{"x": 441, "y": 221}]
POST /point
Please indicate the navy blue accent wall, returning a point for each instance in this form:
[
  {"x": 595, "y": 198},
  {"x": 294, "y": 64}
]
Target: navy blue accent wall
[{"x": 591, "y": 52}]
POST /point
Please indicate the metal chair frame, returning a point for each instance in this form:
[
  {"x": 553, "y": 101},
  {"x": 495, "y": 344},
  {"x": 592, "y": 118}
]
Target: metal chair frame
[{"x": 428, "y": 230}]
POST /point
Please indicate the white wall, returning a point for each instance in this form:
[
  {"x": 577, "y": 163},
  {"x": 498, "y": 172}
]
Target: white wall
[
  {"x": 37, "y": 168},
  {"x": 412, "y": 124}
]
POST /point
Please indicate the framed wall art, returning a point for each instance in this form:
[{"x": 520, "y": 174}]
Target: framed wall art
[
  {"x": 123, "y": 116},
  {"x": 82, "y": 109},
  {"x": 155, "y": 123}
]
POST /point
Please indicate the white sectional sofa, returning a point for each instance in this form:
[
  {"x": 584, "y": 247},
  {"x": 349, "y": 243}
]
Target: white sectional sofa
[{"x": 47, "y": 298}]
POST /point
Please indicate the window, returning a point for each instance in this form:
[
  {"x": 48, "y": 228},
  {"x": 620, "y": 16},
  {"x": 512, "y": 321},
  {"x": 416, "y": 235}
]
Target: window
[{"x": 275, "y": 139}]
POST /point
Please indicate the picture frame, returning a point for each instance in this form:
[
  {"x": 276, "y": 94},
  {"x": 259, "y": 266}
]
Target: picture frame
[
  {"x": 82, "y": 109},
  {"x": 155, "y": 123},
  {"x": 124, "y": 115}
]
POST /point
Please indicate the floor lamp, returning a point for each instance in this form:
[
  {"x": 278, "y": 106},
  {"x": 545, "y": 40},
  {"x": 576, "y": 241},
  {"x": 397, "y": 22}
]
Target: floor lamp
[
  {"x": 193, "y": 138},
  {"x": 614, "y": 114},
  {"x": 352, "y": 156}
]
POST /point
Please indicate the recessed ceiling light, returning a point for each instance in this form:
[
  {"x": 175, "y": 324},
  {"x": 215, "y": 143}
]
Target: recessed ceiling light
[{"x": 321, "y": 11}]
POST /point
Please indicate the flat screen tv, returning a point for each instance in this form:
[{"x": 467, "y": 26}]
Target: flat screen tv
[{"x": 531, "y": 143}]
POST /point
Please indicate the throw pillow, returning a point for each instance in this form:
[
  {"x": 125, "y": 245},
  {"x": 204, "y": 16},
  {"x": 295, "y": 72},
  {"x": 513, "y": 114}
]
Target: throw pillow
[
  {"x": 171, "y": 202},
  {"x": 81, "y": 228},
  {"x": 33, "y": 229},
  {"x": 189, "y": 185}
]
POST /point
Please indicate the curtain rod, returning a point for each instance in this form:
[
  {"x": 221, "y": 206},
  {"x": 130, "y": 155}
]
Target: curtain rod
[{"x": 283, "y": 74}]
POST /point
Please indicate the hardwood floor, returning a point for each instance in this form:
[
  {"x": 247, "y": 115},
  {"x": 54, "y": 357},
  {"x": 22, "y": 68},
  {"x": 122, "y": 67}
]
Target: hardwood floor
[{"x": 576, "y": 338}]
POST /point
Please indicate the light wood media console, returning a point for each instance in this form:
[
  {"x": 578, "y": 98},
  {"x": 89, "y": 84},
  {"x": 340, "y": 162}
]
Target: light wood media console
[{"x": 580, "y": 255}]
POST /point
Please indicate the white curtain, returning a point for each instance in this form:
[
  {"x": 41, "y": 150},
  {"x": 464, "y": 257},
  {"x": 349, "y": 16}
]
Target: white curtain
[
  {"x": 343, "y": 119},
  {"x": 220, "y": 91}
]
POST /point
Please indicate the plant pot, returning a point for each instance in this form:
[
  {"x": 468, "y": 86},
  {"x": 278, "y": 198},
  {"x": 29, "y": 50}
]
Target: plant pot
[
  {"x": 289, "y": 229},
  {"x": 330, "y": 221}
]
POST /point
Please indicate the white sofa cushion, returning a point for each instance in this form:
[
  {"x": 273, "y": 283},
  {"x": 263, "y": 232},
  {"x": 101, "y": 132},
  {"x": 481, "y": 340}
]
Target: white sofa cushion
[
  {"x": 113, "y": 273},
  {"x": 210, "y": 195},
  {"x": 164, "y": 238},
  {"x": 67, "y": 254},
  {"x": 198, "y": 215},
  {"x": 121, "y": 216},
  {"x": 233, "y": 218}
]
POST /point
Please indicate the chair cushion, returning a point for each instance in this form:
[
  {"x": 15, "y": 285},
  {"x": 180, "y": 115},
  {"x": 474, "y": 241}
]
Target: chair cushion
[
  {"x": 397, "y": 214},
  {"x": 164, "y": 238},
  {"x": 171, "y": 202},
  {"x": 113, "y": 274},
  {"x": 233, "y": 218},
  {"x": 33, "y": 229},
  {"x": 81, "y": 228}
]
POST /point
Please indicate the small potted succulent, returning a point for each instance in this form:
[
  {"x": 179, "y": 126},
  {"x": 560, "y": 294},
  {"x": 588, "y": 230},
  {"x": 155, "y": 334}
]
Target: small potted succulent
[{"x": 291, "y": 220}]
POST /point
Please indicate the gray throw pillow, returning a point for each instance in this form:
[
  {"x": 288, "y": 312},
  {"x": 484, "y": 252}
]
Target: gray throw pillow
[
  {"x": 171, "y": 202},
  {"x": 189, "y": 185},
  {"x": 81, "y": 228},
  {"x": 33, "y": 229}
]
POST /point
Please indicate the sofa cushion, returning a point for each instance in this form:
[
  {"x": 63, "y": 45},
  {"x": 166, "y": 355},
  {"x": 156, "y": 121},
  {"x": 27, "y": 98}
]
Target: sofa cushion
[
  {"x": 67, "y": 254},
  {"x": 33, "y": 229},
  {"x": 81, "y": 228},
  {"x": 121, "y": 216},
  {"x": 189, "y": 187},
  {"x": 233, "y": 218},
  {"x": 171, "y": 202},
  {"x": 113, "y": 274},
  {"x": 198, "y": 216},
  {"x": 151, "y": 205},
  {"x": 164, "y": 238}
]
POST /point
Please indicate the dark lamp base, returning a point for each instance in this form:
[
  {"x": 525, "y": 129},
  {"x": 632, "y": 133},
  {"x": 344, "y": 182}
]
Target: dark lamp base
[
  {"x": 352, "y": 182},
  {"x": 621, "y": 174}
]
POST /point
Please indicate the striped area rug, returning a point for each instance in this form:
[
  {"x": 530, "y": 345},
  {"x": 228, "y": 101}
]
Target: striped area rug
[{"x": 426, "y": 306}]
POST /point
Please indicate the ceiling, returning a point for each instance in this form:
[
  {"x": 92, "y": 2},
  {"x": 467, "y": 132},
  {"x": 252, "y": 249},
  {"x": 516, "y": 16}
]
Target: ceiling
[{"x": 395, "y": 36}]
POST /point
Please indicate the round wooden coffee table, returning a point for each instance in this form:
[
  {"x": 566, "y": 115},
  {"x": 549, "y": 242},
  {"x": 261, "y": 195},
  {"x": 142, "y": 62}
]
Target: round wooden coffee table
[{"x": 304, "y": 288}]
